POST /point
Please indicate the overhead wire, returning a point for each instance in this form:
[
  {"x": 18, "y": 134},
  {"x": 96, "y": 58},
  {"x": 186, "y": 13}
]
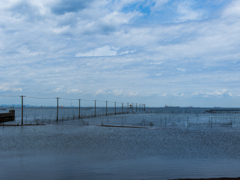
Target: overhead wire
[{"x": 33, "y": 97}]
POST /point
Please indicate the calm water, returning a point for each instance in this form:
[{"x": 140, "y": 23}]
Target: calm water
[
  {"x": 46, "y": 114},
  {"x": 177, "y": 145}
]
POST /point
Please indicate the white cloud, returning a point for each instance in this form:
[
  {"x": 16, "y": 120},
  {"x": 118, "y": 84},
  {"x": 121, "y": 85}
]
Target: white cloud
[
  {"x": 117, "y": 18},
  {"x": 10, "y": 87},
  {"x": 159, "y": 5},
  {"x": 181, "y": 69},
  {"x": 233, "y": 9},
  {"x": 187, "y": 13},
  {"x": 69, "y": 91},
  {"x": 16, "y": 89},
  {"x": 102, "y": 51},
  {"x": 58, "y": 90},
  {"x": 117, "y": 92},
  {"x": 133, "y": 94},
  {"x": 156, "y": 63},
  {"x": 178, "y": 94},
  {"x": 224, "y": 92},
  {"x": 100, "y": 91},
  {"x": 126, "y": 52}
]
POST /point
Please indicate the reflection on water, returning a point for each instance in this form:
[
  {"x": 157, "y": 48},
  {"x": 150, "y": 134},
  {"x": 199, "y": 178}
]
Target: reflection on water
[{"x": 176, "y": 146}]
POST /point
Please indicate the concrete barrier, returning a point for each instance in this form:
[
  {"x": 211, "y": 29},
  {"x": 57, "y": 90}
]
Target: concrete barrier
[{"x": 10, "y": 116}]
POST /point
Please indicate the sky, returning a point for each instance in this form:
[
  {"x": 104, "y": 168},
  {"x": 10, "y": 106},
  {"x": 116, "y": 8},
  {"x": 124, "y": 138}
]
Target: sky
[{"x": 153, "y": 52}]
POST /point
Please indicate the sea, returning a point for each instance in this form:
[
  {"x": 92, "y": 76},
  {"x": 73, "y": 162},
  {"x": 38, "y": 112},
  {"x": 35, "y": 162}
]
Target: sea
[{"x": 158, "y": 143}]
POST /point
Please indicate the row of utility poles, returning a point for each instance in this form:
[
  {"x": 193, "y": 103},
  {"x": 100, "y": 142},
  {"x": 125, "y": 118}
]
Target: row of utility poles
[{"x": 140, "y": 107}]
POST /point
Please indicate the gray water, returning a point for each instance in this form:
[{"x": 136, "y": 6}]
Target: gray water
[
  {"x": 192, "y": 144},
  {"x": 49, "y": 114}
]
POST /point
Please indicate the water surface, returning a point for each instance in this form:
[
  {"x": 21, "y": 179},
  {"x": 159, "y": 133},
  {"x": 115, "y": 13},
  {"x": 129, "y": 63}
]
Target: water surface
[{"x": 176, "y": 146}]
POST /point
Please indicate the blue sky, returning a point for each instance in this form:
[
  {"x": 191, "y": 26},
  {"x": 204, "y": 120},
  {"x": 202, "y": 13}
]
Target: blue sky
[{"x": 157, "y": 52}]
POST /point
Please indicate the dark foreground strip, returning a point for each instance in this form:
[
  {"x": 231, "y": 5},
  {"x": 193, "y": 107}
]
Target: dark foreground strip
[
  {"x": 223, "y": 178},
  {"x": 123, "y": 126},
  {"x": 22, "y": 125}
]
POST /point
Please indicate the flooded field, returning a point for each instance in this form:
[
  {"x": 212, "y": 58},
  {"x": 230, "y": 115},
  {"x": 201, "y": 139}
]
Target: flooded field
[{"x": 166, "y": 144}]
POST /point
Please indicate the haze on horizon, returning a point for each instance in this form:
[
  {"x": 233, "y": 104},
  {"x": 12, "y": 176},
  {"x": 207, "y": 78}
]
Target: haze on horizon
[{"x": 154, "y": 52}]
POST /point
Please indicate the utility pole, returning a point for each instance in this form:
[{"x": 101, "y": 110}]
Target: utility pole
[
  {"x": 57, "y": 107},
  {"x": 95, "y": 108},
  {"x": 22, "y": 110},
  {"x": 106, "y": 108},
  {"x": 79, "y": 109},
  {"x": 122, "y": 108}
]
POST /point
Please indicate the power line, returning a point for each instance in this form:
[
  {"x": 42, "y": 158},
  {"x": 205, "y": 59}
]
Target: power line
[{"x": 33, "y": 97}]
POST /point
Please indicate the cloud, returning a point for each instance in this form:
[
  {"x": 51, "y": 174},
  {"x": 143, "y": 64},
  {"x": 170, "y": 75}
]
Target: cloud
[
  {"x": 100, "y": 91},
  {"x": 178, "y": 94},
  {"x": 117, "y": 18},
  {"x": 58, "y": 90},
  {"x": 102, "y": 51},
  {"x": 133, "y": 94},
  {"x": 117, "y": 92},
  {"x": 181, "y": 69},
  {"x": 126, "y": 52},
  {"x": 130, "y": 48},
  {"x": 187, "y": 13},
  {"x": 10, "y": 87},
  {"x": 159, "y": 5},
  {"x": 224, "y": 92},
  {"x": 69, "y": 91},
  {"x": 232, "y": 10}
]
